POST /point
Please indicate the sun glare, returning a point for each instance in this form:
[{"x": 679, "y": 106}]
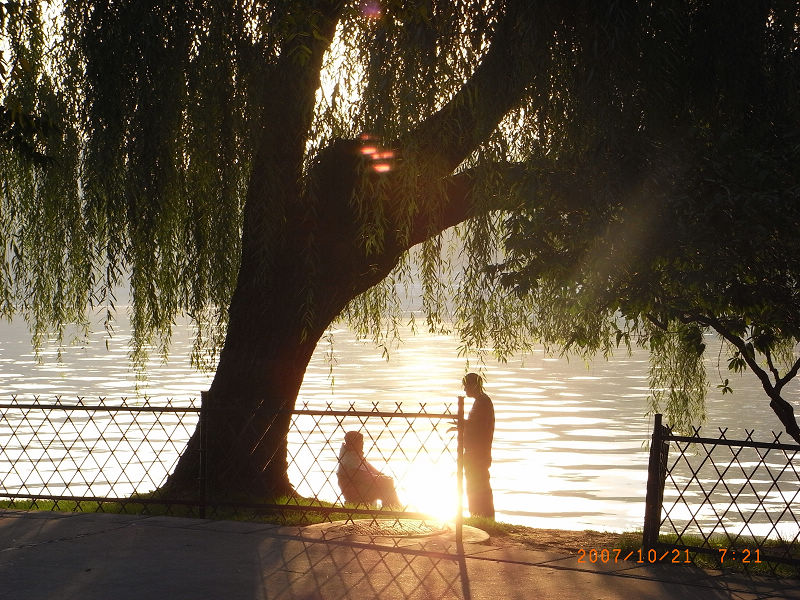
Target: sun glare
[{"x": 430, "y": 489}]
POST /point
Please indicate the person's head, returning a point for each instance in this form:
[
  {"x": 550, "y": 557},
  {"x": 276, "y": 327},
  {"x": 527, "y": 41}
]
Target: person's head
[
  {"x": 354, "y": 441},
  {"x": 473, "y": 384}
]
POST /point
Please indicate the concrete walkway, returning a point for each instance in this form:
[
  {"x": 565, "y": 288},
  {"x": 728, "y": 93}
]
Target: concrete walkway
[{"x": 99, "y": 556}]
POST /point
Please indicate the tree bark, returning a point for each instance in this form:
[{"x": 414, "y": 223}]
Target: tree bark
[{"x": 302, "y": 260}]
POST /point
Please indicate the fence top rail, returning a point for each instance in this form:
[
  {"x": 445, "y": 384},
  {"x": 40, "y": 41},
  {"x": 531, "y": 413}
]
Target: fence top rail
[
  {"x": 196, "y": 409},
  {"x": 776, "y": 445},
  {"x": 369, "y": 413},
  {"x": 375, "y": 410},
  {"x": 102, "y": 407}
]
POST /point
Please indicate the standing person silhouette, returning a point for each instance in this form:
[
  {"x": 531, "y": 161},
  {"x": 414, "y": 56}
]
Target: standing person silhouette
[{"x": 478, "y": 435}]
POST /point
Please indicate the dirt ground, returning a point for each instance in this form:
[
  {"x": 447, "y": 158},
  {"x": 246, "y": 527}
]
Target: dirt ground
[{"x": 558, "y": 540}]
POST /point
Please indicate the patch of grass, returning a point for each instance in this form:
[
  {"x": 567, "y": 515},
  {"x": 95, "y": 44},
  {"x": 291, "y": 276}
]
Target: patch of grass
[
  {"x": 125, "y": 507},
  {"x": 490, "y": 526},
  {"x": 629, "y": 540},
  {"x": 300, "y": 511},
  {"x": 743, "y": 555},
  {"x": 293, "y": 511}
]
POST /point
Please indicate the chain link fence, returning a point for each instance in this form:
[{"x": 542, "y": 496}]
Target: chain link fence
[
  {"x": 733, "y": 500},
  {"x": 76, "y": 454},
  {"x": 117, "y": 455},
  {"x": 64, "y": 454}
]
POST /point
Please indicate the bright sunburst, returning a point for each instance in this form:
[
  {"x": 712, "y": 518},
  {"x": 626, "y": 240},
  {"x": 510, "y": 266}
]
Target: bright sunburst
[{"x": 430, "y": 489}]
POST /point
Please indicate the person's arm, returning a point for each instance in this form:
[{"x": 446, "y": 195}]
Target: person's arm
[
  {"x": 472, "y": 425},
  {"x": 479, "y": 426}
]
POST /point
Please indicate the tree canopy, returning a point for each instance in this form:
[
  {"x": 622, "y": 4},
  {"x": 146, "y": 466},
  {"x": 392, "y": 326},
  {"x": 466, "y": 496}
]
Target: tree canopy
[
  {"x": 671, "y": 206},
  {"x": 268, "y": 168},
  {"x": 159, "y": 111}
]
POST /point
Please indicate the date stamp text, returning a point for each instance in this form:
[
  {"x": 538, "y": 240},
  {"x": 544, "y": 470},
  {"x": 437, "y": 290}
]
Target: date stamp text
[{"x": 652, "y": 556}]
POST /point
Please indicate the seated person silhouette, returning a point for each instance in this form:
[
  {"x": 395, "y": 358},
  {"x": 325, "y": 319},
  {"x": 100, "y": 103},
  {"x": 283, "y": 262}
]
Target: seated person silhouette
[{"x": 359, "y": 481}]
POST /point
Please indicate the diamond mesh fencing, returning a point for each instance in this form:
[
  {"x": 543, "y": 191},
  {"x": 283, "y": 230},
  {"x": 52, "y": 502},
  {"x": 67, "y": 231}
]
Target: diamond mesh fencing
[
  {"x": 79, "y": 454},
  {"x": 118, "y": 455},
  {"x": 733, "y": 500},
  {"x": 409, "y": 459}
]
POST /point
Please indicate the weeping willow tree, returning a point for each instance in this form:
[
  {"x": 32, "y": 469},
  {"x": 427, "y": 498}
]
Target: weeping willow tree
[
  {"x": 261, "y": 168},
  {"x": 265, "y": 169}
]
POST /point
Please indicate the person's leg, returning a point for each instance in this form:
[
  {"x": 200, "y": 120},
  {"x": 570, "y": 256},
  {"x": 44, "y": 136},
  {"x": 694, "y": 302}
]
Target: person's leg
[
  {"x": 368, "y": 487},
  {"x": 358, "y": 487},
  {"x": 387, "y": 492},
  {"x": 479, "y": 490},
  {"x": 485, "y": 497}
]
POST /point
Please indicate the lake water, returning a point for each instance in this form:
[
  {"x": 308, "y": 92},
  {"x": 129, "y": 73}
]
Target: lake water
[{"x": 569, "y": 448}]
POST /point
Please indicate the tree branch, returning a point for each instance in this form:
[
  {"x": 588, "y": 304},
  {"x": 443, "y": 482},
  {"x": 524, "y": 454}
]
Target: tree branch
[
  {"x": 790, "y": 374},
  {"x": 288, "y": 110},
  {"x": 779, "y": 406},
  {"x": 741, "y": 346},
  {"x": 507, "y": 70},
  {"x": 457, "y": 207},
  {"x": 771, "y": 367},
  {"x": 459, "y": 204},
  {"x": 655, "y": 321},
  {"x": 289, "y": 96}
]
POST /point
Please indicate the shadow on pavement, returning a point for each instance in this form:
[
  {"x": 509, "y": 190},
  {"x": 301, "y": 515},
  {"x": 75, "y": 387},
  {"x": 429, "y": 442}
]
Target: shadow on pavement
[
  {"x": 49, "y": 556},
  {"x": 311, "y": 569}
]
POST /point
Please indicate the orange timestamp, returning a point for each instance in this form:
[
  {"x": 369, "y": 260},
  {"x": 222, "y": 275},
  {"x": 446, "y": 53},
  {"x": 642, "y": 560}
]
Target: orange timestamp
[
  {"x": 742, "y": 555},
  {"x": 674, "y": 555},
  {"x": 615, "y": 555}
]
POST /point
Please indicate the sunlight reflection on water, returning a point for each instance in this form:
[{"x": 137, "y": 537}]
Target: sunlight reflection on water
[{"x": 569, "y": 440}]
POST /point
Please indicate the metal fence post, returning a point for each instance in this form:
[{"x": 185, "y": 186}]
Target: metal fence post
[
  {"x": 460, "y": 471},
  {"x": 203, "y": 430},
  {"x": 656, "y": 476}
]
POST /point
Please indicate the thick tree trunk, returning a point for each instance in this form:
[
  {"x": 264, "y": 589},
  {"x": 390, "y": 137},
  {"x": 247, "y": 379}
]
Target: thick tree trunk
[
  {"x": 261, "y": 369},
  {"x": 260, "y": 372},
  {"x": 278, "y": 313}
]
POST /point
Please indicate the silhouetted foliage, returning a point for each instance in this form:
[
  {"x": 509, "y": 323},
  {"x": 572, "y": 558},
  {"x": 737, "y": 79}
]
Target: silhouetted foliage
[{"x": 267, "y": 168}]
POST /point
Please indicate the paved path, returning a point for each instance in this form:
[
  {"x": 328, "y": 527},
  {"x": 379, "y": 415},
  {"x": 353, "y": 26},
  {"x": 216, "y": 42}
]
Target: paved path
[{"x": 99, "y": 556}]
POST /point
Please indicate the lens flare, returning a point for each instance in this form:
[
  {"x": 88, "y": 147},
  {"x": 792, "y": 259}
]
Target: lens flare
[
  {"x": 371, "y": 9},
  {"x": 381, "y": 158}
]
